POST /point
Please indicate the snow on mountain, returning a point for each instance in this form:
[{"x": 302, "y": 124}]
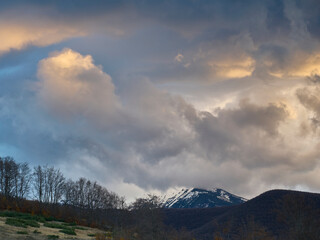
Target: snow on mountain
[{"x": 199, "y": 198}]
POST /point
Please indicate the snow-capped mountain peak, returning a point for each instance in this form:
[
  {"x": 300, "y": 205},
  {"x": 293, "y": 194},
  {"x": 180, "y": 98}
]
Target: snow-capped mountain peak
[{"x": 199, "y": 198}]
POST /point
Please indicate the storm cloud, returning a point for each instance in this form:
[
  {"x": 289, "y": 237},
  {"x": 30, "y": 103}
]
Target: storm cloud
[{"x": 148, "y": 96}]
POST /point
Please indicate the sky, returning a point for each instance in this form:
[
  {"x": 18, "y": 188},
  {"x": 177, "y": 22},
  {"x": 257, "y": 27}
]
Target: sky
[{"x": 148, "y": 96}]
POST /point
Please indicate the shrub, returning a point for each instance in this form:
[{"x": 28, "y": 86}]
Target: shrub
[
  {"x": 80, "y": 228},
  {"x": 25, "y": 216},
  {"x": 32, "y": 223},
  {"x": 69, "y": 231},
  {"x": 36, "y": 232},
  {"x": 16, "y": 222},
  {"x": 22, "y": 222},
  {"x": 33, "y": 218},
  {"x": 70, "y": 224},
  {"x": 10, "y": 214},
  {"x": 55, "y": 225},
  {"x": 50, "y": 219},
  {"x": 22, "y": 232},
  {"x": 53, "y": 237}
]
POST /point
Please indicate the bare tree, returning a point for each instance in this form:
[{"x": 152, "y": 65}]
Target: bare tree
[
  {"x": 14, "y": 178},
  {"x": 58, "y": 186},
  {"x": 8, "y": 174},
  {"x": 149, "y": 217},
  {"x": 23, "y": 180},
  {"x": 49, "y": 184},
  {"x": 38, "y": 183}
]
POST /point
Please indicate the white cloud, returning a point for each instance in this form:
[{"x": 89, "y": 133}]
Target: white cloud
[{"x": 71, "y": 86}]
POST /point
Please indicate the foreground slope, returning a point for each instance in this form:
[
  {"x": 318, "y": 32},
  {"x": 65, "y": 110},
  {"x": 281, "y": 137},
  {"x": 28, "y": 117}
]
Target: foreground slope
[{"x": 15, "y": 225}]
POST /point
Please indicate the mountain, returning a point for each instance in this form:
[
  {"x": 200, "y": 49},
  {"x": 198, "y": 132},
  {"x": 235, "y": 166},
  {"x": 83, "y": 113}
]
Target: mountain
[
  {"x": 200, "y": 198},
  {"x": 277, "y": 211}
]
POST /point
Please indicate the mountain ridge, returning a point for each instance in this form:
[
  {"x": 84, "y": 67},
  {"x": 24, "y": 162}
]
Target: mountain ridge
[
  {"x": 200, "y": 198},
  {"x": 275, "y": 211}
]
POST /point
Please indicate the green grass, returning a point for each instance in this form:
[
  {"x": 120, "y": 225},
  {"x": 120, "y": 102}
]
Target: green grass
[
  {"x": 55, "y": 225},
  {"x": 33, "y": 218},
  {"x": 70, "y": 224},
  {"x": 25, "y": 216},
  {"x": 64, "y": 228},
  {"x": 25, "y": 219},
  {"x": 32, "y": 223},
  {"x": 69, "y": 231},
  {"x": 53, "y": 237},
  {"x": 22, "y": 222},
  {"x": 50, "y": 219},
  {"x": 79, "y": 227},
  {"x": 11, "y": 214},
  {"x": 16, "y": 222},
  {"x": 73, "y": 225}
]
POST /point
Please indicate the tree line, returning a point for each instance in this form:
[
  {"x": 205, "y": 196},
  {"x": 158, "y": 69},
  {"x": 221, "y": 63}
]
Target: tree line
[
  {"x": 45, "y": 191},
  {"x": 48, "y": 185}
]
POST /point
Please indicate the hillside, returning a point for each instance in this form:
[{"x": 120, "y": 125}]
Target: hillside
[
  {"x": 281, "y": 213},
  {"x": 15, "y": 225},
  {"x": 276, "y": 211}
]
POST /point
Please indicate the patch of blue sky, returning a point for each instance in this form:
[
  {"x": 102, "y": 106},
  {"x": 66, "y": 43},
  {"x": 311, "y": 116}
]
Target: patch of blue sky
[
  {"x": 8, "y": 150},
  {"x": 10, "y": 70}
]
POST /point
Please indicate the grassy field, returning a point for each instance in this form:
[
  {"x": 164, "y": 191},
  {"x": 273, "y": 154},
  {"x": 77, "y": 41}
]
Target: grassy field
[{"x": 25, "y": 226}]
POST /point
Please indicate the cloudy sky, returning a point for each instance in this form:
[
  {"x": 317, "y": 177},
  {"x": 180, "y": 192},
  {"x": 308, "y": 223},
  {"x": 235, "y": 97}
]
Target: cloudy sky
[{"x": 151, "y": 95}]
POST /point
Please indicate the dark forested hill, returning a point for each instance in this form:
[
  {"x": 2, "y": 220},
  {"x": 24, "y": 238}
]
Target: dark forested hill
[{"x": 276, "y": 212}]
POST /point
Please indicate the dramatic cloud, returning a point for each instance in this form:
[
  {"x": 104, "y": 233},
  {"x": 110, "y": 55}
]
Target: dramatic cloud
[
  {"x": 19, "y": 32},
  {"x": 309, "y": 98},
  {"x": 147, "y": 96},
  {"x": 71, "y": 85}
]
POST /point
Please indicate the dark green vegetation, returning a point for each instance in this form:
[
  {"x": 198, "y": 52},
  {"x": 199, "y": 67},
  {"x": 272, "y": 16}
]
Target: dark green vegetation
[
  {"x": 18, "y": 222},
  {"x": 67, "y": 228},
  {"x": 69, "y": 231},
  {"x": 55, "y": 225},
  {"x": 24, "y": 220},
  {"x": 36, "y": 232},
  {"x": 23, "y": 216},
  {"x": 53, "y": 237}
]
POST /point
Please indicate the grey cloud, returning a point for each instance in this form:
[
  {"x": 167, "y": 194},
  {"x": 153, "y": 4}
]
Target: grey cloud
[
  {"x": 308, "y": 97},
  {"x": 163, "y": 142},
  {"x": 203, "y": 31},
  {"x": 277, "y": 21},
  {"x": 126, "y": 127},
  {"x": 310, "y": 10},
  {"x": 315, "y": 78},
  {"x": 310, "y": 100},
  {"x": 265, "y": 118},
  {"x": 229, "y": 134}
]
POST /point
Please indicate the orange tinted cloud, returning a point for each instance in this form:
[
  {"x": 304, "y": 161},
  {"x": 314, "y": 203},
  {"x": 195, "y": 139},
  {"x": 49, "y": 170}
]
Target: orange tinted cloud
[
  {"x": 16, "y": 35},
  {"x": 71, "y": 85},
  {"x": 232, "y": 66}
]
